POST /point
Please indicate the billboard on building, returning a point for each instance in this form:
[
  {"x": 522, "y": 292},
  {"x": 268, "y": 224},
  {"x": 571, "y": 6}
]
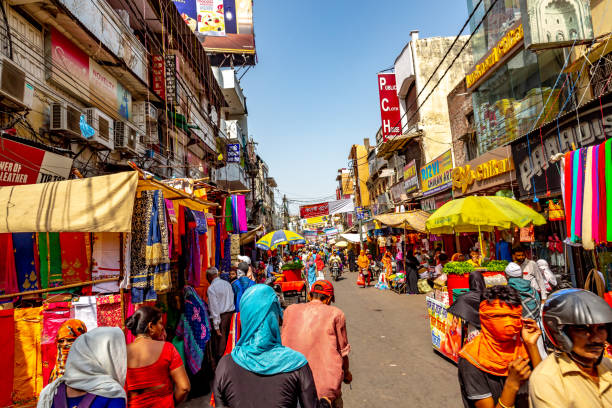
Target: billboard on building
[
  {"x": 389, "y": 106},
  {"x": 554, "y": 23},
  {"x": 224, "y": 26},
  {"x": 437, "y": 174}
]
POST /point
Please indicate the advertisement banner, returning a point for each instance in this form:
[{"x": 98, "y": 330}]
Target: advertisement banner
[
  {"x": 436, "y": 175},
  {"x": 314, "y": 210},
  {"x": 317, "y": 220},
  {"x": 331, "y": 232},
  {"x": 224, "y": 26},
  {"x": 556, "y": 24},
  {"x": 73, "y": 70},
  {"x": 158, "y": 72},
  {"x": 389, "y": 106},
  {"x": 534, "y": 172},
  {"x": 445, "y": 329},
  {"x": 411, "y": 179},
  {"x": 171, "y": 63},
  {"x": 23, "y": 164}
]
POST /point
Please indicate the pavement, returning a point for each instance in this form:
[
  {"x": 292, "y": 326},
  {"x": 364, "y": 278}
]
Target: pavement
[{"x": 392, "y": 360}]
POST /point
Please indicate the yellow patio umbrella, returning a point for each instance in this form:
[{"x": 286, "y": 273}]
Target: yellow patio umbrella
[{"x": 484, "y": 213}]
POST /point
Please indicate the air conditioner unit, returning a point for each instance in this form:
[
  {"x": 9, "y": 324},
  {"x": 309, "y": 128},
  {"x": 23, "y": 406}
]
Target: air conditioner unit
[
  {"x": 127, "y": 137},
  {"x": 103, "y": 126},
  {"x": 65, "y": 119},
  {"x": 15, "y": 91},
  {"x": 143, "y": 112},
  {"x": 150, "y": 133}
]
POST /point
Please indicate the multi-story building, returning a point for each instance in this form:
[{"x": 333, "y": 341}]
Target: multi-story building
[{"x": 95, "y": 81}]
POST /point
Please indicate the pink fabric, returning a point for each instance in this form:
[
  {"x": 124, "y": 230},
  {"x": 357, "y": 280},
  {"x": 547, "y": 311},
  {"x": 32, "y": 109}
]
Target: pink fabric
[
  {"x": 580, "y": 192},
  {"x": 595, "y": 204},
  {"x": 319, "y": 332},
  {"x": 54, "y": 314},
  {"x": 242, "y": 217}
]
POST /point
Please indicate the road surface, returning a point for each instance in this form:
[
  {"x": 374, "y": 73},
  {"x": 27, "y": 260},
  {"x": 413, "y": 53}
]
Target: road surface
[{"x": 391, "y": 358}]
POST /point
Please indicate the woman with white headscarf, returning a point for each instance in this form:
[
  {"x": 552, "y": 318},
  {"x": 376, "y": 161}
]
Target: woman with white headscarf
[{"x": 94, "y": 375}]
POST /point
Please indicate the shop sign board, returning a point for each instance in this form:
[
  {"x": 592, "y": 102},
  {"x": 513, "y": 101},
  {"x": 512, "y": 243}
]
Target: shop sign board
[
  {"x": 411, "y": 179},
  {"x": 158, "y": 71},
  {"x": 317, "y": 220},
  {"x": 171, "y": 63},
  {"x": 233, "y": 153},
  {"x": 23, "y": 164},
  {"x": 314, "y": 210},
  {"x": 224, "y": 26},
  {"x": 74, "y": 71},
  {"x": 553, "y": 24},
  {"x": 436, "y": 175},
  {"x": 445, "y": 329},
  {"x": 496, "y": 55},
  {"x": 534, "y": 172},
  {"x": 398, "y": 192},
  {"x": 389, "y": 106},
  {"x": 431, "y": 204},
  {"x": 330, "y": 232},
  {"x": 492, "y": 169}
]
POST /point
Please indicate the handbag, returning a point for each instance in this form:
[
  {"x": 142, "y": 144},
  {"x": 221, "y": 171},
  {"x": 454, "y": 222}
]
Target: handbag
[
  {"x": 595, "y": 283},
  {"x": 360, "y": 280}
]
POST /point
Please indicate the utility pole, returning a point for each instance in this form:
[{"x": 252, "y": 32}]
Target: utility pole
[{"x": 285, "y": 212}]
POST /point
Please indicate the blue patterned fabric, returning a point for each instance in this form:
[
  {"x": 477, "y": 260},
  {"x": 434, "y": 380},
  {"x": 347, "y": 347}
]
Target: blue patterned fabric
[
  {"x": 195, "y": 328},
  {"x": 23, "y": 248}
]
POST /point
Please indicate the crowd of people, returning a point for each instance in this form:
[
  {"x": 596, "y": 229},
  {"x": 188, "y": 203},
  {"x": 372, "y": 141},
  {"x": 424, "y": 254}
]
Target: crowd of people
[{"x": 263, "y": 354}]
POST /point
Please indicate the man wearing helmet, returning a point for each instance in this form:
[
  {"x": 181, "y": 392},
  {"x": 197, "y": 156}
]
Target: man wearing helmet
[
  {"x": 318, "y": 330},
  {"x": 577, "y": 375}
]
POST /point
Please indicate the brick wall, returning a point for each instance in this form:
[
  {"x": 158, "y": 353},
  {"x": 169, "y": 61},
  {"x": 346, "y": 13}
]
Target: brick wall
[{"x": 459, "y": 107}]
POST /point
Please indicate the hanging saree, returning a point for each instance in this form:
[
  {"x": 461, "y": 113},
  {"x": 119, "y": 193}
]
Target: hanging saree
[
  {"x": 234, "y": 334},
  {"x": 25, "y": 264},
  {"x": 8, "y": 273},
  {"x": 158, "y": 255},
  {"x": 106, "y": 261},
  {"x": 569, "y": 186},
  {"x": 195, "y": 329},
  {"x": 50, "y": 260},
  {"x": 142, "y": 281},
  {"x": 235, "y": 214},
  {"x": 218, "y": 247},
  {"x": 7, "y": 357},
  {"x": 76, "y": 250},
  {"x": 27, "y": 378},
  {"x": 602, "y": 219},
  {"x": 587, "y": 205},
  {"x": 595, "y": 204},
  {"x": 608, "y": 178},
  {"x": 229, "y": 226},
  {"x": 54, "y": 315},
  {"x": 85, "y": 309},
  {"x": 242, "y": 216}
]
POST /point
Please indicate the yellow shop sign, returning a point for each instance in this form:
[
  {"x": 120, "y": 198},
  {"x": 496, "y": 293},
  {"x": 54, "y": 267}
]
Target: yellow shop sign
[
  {"x": 503, "y": 47},
  {"x": 464, "y": 177}
]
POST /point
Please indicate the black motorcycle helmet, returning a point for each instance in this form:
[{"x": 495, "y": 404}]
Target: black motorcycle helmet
[{"x": 569, "y": 307}]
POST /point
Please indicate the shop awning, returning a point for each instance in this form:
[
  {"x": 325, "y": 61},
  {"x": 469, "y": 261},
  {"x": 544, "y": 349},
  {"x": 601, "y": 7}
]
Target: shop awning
[
  {"x": 414, "y": 220},
  {"x": 354, "y": 238},
  {"x": 598, "y": 51},
  {"x": 396, "y": 143},
  {"x": 95, "y": 204},
  {"x": 250, "y": 236},
  {"x": 177, "y": 196}
]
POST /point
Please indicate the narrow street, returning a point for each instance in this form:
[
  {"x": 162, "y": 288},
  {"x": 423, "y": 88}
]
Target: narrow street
[{"x": 391, "y": 358}]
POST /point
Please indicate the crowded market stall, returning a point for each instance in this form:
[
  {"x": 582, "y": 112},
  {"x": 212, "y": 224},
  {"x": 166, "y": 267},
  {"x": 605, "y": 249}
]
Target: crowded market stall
[{"x": 96, "y": 249}]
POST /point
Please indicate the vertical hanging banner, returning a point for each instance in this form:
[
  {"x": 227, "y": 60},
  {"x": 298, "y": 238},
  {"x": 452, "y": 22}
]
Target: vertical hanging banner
[{"x": 389, "y": 106}]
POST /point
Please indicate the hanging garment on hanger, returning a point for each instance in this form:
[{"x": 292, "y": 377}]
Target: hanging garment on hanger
[
  {"x": 86, "y": 311},
  {"x": 50, "y": 255},
  {"x": 587, "y": 202},
  {"x": 106, "y": 261},
  {"x": 76, "y": 250},
  {"x": 27, "y": 275},
  {"x": 8, "y": 273}
]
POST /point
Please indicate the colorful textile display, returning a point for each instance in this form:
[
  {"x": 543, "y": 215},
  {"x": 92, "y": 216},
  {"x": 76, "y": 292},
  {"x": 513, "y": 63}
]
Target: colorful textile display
[
  {"x": 235, "y": 213},
  {"x": 109, "y": 310},
  {"x": 234, "y": 334},
  {"x": 27, "y": 378},
  {"x": 555, "y": 211},
  {"x": 8, "y": 273},
  {"x": 50, "y": 260},
  {"x": 25, "y": 264},
  {"x": 76, "y": 250},
  {"x": 587, "y": 215},
  {"x": 7, "y": 357},
  {"x": 85, "y": 310},
  {"x": 608, "y": 178},
  {"x": 195, "y": 329},
  {"x": 54, "y": 315},
  {"x": 227, "y": 211},
  {"x": 66, "y": 335},
  {"x": 106, "y": 261},
  {"x": 150, "y": 259}
]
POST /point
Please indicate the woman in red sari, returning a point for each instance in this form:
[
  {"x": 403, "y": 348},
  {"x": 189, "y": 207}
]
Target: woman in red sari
[{"x": 156, "y": 375}]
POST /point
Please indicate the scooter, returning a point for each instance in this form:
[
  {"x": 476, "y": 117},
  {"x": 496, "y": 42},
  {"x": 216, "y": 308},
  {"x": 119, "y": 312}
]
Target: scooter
[{"x": 335, "y": 271}]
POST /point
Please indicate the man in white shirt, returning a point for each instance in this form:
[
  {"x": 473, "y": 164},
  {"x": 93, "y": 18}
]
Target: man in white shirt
[
  {"x": 531, "y": 271},
  {"x": 221, "y": 307}
]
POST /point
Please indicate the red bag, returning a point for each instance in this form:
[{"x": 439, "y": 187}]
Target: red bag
[
  {"x": 608, "y": 298},
  {"x": 360, "y": 280}
]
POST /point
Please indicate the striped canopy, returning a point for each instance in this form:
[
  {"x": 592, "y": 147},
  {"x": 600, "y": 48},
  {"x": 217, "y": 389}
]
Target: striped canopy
[{"x": 280, "y": 237}]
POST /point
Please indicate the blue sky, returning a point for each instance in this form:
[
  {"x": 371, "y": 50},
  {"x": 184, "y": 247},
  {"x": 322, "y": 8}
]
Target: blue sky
[{"x": 313, "y": 92}]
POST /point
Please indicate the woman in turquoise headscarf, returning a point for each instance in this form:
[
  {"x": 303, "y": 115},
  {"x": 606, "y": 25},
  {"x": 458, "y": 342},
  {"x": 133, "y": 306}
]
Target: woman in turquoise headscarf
[
  {"x": 312, "y": 270},
  {"x": 260, "y": 371}
]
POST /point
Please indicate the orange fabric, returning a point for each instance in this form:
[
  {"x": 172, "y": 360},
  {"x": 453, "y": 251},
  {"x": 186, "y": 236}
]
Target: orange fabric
[
  {"x": 151, "y": 376},
  {"x": 363, "y": 261},
  {"x": 296, "y": 285},
  {"x": 499, "y": 341},
  {"x": 28, "y": 378}
]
